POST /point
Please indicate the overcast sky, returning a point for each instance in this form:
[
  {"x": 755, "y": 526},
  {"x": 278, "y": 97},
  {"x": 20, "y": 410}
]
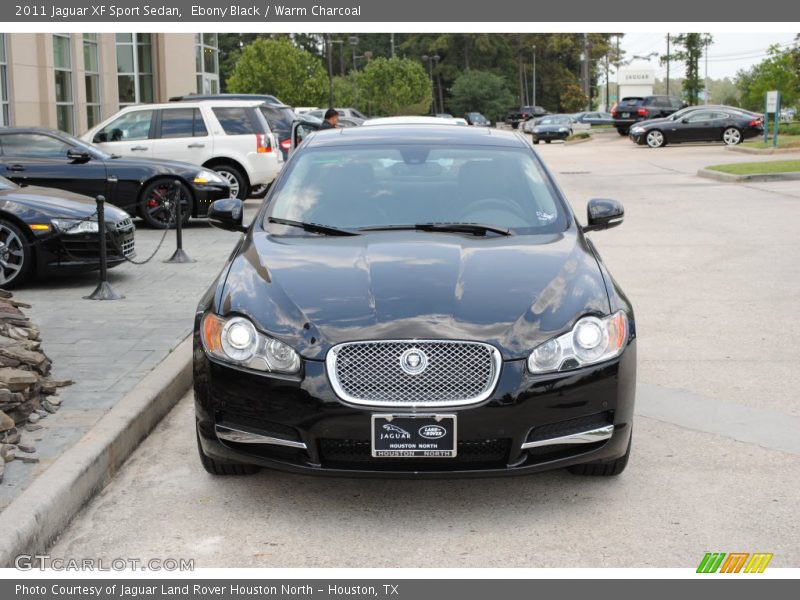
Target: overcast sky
[{"x": 728, "y": 53}]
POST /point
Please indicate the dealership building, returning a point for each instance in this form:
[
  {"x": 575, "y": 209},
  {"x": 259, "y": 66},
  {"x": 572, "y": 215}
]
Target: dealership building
[{"x": 71, "y": 81}]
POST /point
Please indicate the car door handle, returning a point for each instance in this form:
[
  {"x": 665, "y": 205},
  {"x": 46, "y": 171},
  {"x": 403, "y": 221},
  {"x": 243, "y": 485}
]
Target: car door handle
[
  {"x": 15, "y": 168},
  {"x": 196, "y": 146},
  {"x": 138, "y": 148}
]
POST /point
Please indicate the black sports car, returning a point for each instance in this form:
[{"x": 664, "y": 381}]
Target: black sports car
[
  {"x": 699, "y": 124},
  {"x": 49, "y": 158},
  {"x": 43, "y": 231},
  {"x": 414, "y": 300},
  {"x": 551, "y": 127}
]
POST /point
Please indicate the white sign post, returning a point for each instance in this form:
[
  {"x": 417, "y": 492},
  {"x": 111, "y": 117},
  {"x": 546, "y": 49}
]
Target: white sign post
[{"x": 772, "y": 101}]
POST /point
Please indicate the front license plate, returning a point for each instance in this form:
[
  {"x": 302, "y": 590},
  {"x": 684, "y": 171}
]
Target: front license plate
[
  {"x": 413, "y": 436},
  {"x": 626, "y": 115}
]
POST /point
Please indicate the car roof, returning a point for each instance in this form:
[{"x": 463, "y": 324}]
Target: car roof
[
  {"x": 415, "y": 133},
  {"x": 411, "y": 120},
  {"x": 45, "y": 130},
  {"x": 184, "y": 104}
]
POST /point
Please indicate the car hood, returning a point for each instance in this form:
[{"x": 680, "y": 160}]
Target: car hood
[
  {"x": 652, "y": 122},
  {"x": 55, "y": 203},
  {"x": 314, "y": 292},
  {"x": 163, "y": 166}
]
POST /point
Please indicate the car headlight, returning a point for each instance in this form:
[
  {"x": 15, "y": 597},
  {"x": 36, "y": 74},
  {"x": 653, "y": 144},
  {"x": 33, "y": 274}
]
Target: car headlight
[
  {"x": 563, "y": 129},
  {"x": 236, "y": 340},
  {"x": 592, "y": 340},
  {"x": 206, "y": 176},
  {"x": 637, "y": 130},
  {"x": 74, "y": 226}
]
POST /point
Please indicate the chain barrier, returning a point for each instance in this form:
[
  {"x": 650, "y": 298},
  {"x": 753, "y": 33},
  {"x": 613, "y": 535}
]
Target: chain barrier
[{"x": 168, "y": 226}]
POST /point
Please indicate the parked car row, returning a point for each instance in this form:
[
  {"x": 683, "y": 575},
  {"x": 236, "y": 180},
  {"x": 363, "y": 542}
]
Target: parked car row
[{"x": 554, "y": 127}]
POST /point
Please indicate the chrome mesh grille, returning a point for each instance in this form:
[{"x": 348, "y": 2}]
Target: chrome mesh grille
[
  {"x": 370, "y": 373},
  {"x": 124, "y": 225}
]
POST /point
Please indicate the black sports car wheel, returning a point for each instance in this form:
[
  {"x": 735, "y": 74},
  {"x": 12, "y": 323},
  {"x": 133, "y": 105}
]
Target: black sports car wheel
[
  {"x": 223, "y": 468},
  {"x": 15, "y": 255},
  {"x": 732, "y": 136},
  {"x": 604, "y": 469},
  {"x": 655, "y": 138},
  {"x": 156, "y": 204}
]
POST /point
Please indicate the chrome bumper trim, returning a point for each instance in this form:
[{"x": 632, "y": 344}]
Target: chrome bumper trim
[
  {"x": 584, "y": 437},
  {"x": 246, "y": 437}
]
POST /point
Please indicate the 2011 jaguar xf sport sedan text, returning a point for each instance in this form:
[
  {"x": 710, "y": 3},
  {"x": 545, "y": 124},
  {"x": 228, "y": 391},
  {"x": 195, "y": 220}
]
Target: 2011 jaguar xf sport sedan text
[{"x": 415, "y": 300}]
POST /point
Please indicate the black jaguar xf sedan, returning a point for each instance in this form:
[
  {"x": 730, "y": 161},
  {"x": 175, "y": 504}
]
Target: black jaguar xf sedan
[
  {"x": 49, "y": 158},
  {"x": 699, "y": 124},
  {"x": 418, "y": 301},
  {"x": 45, "y": 231}
]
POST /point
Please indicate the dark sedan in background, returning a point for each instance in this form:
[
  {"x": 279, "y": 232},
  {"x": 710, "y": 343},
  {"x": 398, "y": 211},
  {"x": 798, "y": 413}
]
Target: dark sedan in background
[
  {"x": 49, "y": 158},
  {"x": 435, "y": 310},
  {"x": 477, "y": 119},
  {"x": 43, "y": 231},
  {"x": 699, "y": 124},
  {"x": 594, "y": 118},
  {"x": 633, "y": 109},
  {"x": 515, "y": 116},
  {"x": 551, "y": 127}
]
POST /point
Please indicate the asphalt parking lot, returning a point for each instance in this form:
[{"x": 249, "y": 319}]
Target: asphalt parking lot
[{"x": 713, "y": 271}]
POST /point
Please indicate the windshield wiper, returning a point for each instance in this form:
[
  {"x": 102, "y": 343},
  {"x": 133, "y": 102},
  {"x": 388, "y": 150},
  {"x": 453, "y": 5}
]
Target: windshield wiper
[
  {"x": 473, "y": 228},
  {"x": 312, "y": 227}
]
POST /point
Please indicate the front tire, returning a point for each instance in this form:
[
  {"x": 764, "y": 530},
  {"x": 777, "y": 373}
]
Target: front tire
[
  {"x": 732, "y": 136},
  {"x": 655, "y": 139},
  {"x": 235, "y": 178},
  {"x": 16, "y": 256},
  {"x": 215, "y": 467},
  {"x": 622, "y": 130},
  {"x": 611, "y": 468},
  {"x": 156, "y": 204}
]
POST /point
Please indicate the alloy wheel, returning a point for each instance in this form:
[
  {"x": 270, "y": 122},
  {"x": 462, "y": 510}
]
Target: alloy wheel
[
  {"x": 12, "y": 255},
  {"x": 655, "y": 139},
  {"x": 731, "y": 136},
  {"x": 232, "y": 181}
]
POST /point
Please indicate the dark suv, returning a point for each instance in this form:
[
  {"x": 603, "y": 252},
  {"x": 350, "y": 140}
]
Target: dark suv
[
  {"x": 515, "y": 116},
  {"x": 633, "y": 109}
]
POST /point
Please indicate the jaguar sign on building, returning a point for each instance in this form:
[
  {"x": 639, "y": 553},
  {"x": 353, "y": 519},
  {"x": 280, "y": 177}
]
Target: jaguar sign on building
[{"x": 636, "y": 81}]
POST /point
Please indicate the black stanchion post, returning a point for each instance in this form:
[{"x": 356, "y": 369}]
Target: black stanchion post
[
  {"x": 179, "y": 256},
  {"x": 103, "y": 291}
]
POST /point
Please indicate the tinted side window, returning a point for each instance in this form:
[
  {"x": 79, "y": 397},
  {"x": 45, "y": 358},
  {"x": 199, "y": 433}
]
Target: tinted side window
[
  {"x": 181, "y": 122},
  {"x": 676, "y": 103},
  {"x": 661, "y": 102},
  {"x": 234, "y": 120},
  {"x": 33, "y": 145}
]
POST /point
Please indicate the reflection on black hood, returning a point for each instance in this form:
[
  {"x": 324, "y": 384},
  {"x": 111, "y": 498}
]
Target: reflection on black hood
[{"x": 513, "y": 292}]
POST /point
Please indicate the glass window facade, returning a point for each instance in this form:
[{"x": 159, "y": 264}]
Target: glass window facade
[
  {"x": 5, "y": 116},
  {"x": 91, "y": 66},
  {"x": 135, "y": 68},
  {"x": 207, "y": 63},
  {"x": 62, "y": 66}
]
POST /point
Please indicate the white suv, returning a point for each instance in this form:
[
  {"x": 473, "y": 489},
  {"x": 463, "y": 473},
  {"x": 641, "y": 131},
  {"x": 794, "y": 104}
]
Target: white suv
[{"x": 231, "y": 137}]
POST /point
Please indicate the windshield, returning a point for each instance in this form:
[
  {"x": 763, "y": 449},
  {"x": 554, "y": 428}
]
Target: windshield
[
  {"x": 279, "y": 119},
  {"x": 352, "y": 188},
  {"x": 555, "y": 121}
]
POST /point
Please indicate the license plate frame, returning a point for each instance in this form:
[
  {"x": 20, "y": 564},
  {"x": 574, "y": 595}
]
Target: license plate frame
[{"x": 414, "y": 435}]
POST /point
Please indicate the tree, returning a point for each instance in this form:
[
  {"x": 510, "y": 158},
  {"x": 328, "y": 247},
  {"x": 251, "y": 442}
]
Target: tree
[
  {"x": 394, "y": 86},
  {"x": 483, "y": 92},
  {"x": 779, "y": 71},
  {"x": 572, "y": 98},
  {"x": 278, "y": 67},
  {"x": 689, "y": 48}
]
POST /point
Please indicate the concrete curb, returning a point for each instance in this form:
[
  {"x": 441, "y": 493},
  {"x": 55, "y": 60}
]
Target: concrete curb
[
  {"x": 731, "y": 178},
  {"x": 42, "y": 512},
  {"x": 761, "y": 151}
]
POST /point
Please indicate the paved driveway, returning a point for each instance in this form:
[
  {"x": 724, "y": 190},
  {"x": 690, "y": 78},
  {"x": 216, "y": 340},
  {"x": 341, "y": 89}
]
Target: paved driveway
[{"x": 713, "y": 272}]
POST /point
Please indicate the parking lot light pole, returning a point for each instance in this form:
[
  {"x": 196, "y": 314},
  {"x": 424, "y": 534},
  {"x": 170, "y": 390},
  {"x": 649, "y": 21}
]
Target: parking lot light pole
[
  {"x": 533, "y": 82},
  {"x": 329, "y": 52},
  {"x": 430, "y": 60}
]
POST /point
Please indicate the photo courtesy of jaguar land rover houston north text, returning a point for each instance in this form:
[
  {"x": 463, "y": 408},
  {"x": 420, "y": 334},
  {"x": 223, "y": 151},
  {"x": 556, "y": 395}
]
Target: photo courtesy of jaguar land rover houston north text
[{"x": 415, "y": 300}]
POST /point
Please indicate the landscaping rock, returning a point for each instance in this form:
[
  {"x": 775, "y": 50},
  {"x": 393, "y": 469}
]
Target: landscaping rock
[
  {"x": 27, "y": 392},
  {"x": 6, "y": 422}
]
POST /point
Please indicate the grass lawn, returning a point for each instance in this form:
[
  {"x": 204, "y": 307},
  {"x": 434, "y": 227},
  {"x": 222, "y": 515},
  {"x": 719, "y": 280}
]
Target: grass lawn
[
  {"x": 758, "y": 168},
  {"x": 581, "y": 135},
  {"x": 784, "y": 141}
]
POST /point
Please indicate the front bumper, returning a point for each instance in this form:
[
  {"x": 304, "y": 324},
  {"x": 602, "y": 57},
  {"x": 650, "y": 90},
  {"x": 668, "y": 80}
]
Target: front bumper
[
  {"x": 81, "y": 252},
  {"x": 550, "y": 135},
  {"x": 529, "y": 424},
  {"x": 206, "y": 193}
]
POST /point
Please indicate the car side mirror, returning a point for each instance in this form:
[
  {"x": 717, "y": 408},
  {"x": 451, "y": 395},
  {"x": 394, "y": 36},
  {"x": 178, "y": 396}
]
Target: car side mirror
[
  {"x": 227, "y": 214},
  {"x": 603, "y": 213},
  {"x": 78, "y": 155}
]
